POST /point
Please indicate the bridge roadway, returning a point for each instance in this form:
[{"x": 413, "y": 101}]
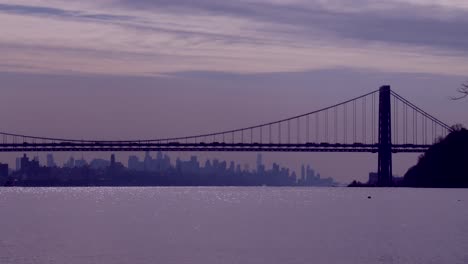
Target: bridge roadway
[
  {"x": 381, "y": 117},
  {"x": 123, "y": 146}
]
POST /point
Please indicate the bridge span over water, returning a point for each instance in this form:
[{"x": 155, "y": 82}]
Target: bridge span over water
[{"x": 381, "y": 122}]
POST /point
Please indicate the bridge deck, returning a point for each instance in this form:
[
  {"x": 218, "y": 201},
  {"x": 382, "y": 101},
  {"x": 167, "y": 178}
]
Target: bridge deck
[{"x": 213, "y": 147}]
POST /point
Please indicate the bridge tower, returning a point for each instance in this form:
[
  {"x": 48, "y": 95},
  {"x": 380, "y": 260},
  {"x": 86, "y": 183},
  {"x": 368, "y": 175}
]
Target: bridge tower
[{"x": 385, "y": 177}]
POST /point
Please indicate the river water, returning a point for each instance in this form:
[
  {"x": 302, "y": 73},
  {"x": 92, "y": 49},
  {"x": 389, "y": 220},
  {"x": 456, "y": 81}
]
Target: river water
[{"x": 233, "y": 225}]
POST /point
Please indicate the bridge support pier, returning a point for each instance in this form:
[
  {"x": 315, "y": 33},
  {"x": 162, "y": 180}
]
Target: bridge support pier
[{"x": 385, "y": 177}]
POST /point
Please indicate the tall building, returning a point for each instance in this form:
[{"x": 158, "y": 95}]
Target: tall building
[
  {"x": 159, "y": 155},
  {"x": 232, "y": 167},
  {"x": 27, "y": 165},
  {"x": 24, "y": 162},
  {"x": 303, "y": 173},
  {"x": 50, "y": 161},
  {"x": 238, "y": 169},
  {"x": 114, "y": 164},
  {"x": 80, "y": 163},
  {"x": 112, "y": 161},
  {"x": 70, "y": 163},
  {"x": 293, "y": 175},
  {"x": 373, "y": 177},
  {"x": 18, "y": 164},
  {"x": 194, "y": 164},
  {"x": 133, "y": 163},
  {"x": 3, "y": 170},
  {"x": 99, "y": 164},
  {"x": 3, "y": 174},
  {"x": 147, "y": 162},
  {"x": 260, "y": 167}
]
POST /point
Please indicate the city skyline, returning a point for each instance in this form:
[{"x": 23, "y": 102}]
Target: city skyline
[
  {"x": 159, "y": 171},
  {"x": 146, "y": 163}
]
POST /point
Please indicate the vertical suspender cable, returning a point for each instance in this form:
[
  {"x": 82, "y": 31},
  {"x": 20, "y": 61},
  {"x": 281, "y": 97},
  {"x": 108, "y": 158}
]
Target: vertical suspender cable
[
  {"x": 317, "y": 115},
  {"x": 298, "y": 130},
  {"x": 279, "y": 133},
  {"x": 345, "y": 119},
  {"x": 336, "y": 125},
  {"x": 270, "y": 139},
  {"x": 354, "y": 121},
  {"x": 364, "y": 108},
  {"x": 326, "y": 125}
]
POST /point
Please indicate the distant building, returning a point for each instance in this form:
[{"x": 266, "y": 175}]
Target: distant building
[
  {"x": 99, "y": 164},
  {"x": 18, "y": 164},
  {"x": 232, "y": 167},
  {"x": 161, "y": 163},
  {"x": 50, "y": 161},
  {"x": 70, "y": 163},
  {"x": 148, "y": 161},
  {"x": 260, "y": 166},
  {"x": 3, "y": 170},
  {"x": 112, "y": 161},
  {"x": 293, "y": 175},
  {"x": 373, "y": 178},
  {"x": 80, "y": 163},
  {"x": 24, "y": 162},
  {"x": 134, "y": 163},
  {"x": 27, "y": 165},
  {"x": 303, "y": 175},
  {"x": 191, "y": 166},
  {"x": 238, "y": 169},
  {"x": 160, "y": 172}
]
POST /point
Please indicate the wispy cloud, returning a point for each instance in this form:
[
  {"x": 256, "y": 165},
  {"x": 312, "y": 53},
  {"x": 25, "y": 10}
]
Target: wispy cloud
[{"x": 142, "y": 37}]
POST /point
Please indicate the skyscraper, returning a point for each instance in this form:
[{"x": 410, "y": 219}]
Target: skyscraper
[
  {"x": 24, "y": 162},
  {"x": 50, "y": 161},
  {"x": 260, "y": 166},
  {"x": 79, "y": 163},
  {"x": 112, "y": 161},
  {"x": 133, "y": 162},
  {"x": 70, "y": 163},
  {"x": 3, "y": 170},
  {"x": 18, "y": 164},
  {"x": 147, "y": 161},
  {"x": 303, "y": 173}
]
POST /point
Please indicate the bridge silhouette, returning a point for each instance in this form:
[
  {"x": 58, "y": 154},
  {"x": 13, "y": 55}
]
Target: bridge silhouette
[{"x": 380, "y": 122}]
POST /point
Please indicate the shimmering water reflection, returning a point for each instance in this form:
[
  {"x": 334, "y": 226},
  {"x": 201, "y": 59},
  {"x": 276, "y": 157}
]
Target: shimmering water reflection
[{"x": 233, "y": 225}]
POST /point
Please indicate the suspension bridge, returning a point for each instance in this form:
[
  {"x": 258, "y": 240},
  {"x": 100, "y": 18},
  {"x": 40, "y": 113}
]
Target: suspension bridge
[{"x": 381, "y": 122}]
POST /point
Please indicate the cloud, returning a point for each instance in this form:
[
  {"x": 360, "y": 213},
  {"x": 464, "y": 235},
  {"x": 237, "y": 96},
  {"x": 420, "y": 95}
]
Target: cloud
[
  {"x": 409, "y": 23},
  {"x": 141, "y": 37}
]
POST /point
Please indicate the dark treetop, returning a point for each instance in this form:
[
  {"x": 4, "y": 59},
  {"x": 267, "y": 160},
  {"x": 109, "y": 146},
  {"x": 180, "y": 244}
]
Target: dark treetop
[{"x": 445, "y": 164}]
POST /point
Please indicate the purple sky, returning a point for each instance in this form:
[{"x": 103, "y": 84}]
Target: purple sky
[{"x": 144, "y": 69}]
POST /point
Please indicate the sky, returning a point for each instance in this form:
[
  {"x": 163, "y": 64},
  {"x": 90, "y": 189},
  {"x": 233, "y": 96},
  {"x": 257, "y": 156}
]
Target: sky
[{"x": 124, "y": 69}]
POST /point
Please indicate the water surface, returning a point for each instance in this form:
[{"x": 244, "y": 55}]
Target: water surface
[{"x": 233, "y": 225}]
